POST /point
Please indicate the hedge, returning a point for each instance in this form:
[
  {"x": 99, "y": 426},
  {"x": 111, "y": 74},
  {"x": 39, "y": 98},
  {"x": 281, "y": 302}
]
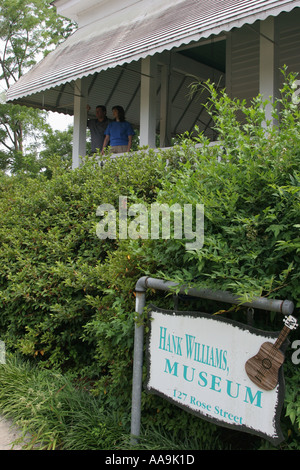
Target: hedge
[{"x": 67, "y": 297}]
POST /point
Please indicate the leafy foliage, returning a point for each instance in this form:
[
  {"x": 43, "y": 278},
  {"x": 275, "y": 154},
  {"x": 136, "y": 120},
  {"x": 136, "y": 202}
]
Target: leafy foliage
[
  {"x": 53, "y": 413},
  {"x": 29, "y": 30},
  {"x": 67, "y": 297}
]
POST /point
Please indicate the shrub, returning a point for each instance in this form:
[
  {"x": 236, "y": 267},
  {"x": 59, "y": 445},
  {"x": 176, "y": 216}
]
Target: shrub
[
  {"x": 52, "y": 263},
  {"x": 67, "y": 297}
]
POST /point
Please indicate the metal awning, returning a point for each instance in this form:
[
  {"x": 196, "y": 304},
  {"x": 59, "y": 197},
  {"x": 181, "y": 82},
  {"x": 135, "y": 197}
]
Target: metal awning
[{"x": 87, "y": 52}]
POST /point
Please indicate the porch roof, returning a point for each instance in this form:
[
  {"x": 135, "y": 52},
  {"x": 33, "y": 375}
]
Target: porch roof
[{"x": 51, "y": 83}]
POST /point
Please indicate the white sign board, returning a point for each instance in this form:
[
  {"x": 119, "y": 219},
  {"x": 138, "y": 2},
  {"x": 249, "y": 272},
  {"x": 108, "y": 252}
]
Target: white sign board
[{"x": 197, "y": 361}]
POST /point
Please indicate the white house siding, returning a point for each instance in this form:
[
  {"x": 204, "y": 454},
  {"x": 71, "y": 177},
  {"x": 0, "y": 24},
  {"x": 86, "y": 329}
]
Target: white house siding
[
  {"x": 242, "y": 67},
  {"x": 289, "y": 40}
]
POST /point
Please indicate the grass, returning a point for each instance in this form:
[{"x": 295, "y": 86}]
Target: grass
[{"x": 54, "y": 414}]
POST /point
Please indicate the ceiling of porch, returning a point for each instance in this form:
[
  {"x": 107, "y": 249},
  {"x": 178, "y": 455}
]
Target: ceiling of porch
[{"x": 121, "y": 86}]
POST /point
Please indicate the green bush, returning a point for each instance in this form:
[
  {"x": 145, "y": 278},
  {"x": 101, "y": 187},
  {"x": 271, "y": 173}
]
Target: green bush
[
  {"x": 52, "y": 263},
  {"x": 67, "y": 297}
]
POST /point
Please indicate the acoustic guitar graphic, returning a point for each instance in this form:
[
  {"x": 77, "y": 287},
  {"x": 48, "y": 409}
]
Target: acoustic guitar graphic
[{"x": 263, "y": 368}]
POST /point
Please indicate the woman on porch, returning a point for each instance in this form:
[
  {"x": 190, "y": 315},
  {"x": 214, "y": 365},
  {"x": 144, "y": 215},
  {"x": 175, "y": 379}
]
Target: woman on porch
[{"x": 118, "y": 133}]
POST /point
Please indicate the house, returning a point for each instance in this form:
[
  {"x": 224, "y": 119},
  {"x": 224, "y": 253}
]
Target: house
[{"x": 145, "y": 54}]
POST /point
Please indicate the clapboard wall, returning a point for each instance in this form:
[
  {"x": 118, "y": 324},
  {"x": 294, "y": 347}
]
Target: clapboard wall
[{"x": 243, "y": 54}]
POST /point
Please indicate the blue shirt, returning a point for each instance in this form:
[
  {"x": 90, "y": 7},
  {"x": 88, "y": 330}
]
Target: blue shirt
[{"x": 118, "y": 133}]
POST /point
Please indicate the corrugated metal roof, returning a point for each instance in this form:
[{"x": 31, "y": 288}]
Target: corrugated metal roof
[{"x": 89, "y": 50}]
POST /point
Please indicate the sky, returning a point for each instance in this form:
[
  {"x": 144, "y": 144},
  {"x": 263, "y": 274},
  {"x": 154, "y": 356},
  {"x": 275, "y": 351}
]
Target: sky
[{"x": 59, "y": 121}]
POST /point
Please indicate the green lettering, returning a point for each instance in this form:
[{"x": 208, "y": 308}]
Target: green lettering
[
  {"x": 169, "y": 369},
  {"x": 162, "y": 338},
  {"x": 258, "y": 397},
  {"x": 215, "y": 382},
  {"x": 185, "y": 368},
  {"x": 229, "y": 383},
  {"x": 190, "y": 344},
  {"x": 203, "y": 379}
]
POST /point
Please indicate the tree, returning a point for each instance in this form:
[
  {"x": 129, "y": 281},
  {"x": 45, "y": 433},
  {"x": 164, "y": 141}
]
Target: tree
[
  {"x": 57, "y": 146},
  {"x": 28, "y": 31}
]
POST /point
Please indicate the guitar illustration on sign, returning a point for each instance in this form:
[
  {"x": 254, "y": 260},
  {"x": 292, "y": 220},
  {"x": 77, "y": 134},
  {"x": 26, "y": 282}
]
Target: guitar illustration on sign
[{"x": 263, "y": 368}]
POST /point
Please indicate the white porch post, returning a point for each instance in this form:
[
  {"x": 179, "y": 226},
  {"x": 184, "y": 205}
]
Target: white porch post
[
  {"x": 228, "y": 76},
  {"x": 268, "y": 63},
  {"x": 148, "y": 102},
  {"x": 165, "y": 111},
  {"x": 80, "y": 122}
]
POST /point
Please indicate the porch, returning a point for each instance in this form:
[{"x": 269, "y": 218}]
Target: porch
[{"x": 147, "y": 57}]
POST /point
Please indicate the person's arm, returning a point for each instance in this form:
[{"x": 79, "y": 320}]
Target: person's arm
[
  {"x": 88, "y": 108},
  {"x": 105, "y": 143},
  {"x": 129, "y": 143}
]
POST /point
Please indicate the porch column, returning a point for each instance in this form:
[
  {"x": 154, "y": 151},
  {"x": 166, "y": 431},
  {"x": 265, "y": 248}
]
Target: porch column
[
  {"x": 80, "y": 122},
  {"x": 165, "y": 108},
  {"x": 148, "y": 102},
  {"x": 268, "y": 63}
]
